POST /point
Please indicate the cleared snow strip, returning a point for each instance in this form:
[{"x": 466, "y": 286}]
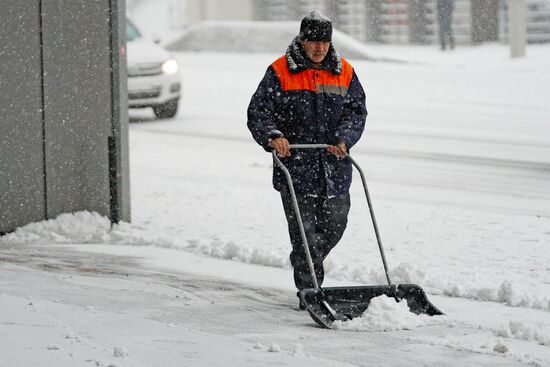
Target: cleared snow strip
[
  {"x": 92, "y": 228},
  {"x": 385, "y": 314}
]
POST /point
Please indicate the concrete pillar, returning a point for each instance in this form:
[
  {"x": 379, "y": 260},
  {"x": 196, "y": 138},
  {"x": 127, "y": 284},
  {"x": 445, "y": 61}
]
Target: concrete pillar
[
  {"x": 517, "y": 15},
  {"x": 63, "y": 77},
  {"x": 22, "y": 195}
]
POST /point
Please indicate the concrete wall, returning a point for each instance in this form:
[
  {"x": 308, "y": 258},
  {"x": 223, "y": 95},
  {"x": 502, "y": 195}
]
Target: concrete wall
[
  {"x": 77, "y": 102},
  {"x": 21, "y": 130},
  {"x": 61, "y": 102}
]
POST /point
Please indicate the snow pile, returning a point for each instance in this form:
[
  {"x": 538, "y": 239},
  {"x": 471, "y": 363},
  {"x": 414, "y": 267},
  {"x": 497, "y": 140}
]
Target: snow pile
[
  {"x": 506, "y": 293},
  {"x": 274, "y": 348},
  {"x": 254, "y": 37},
  {"x": 499, "y": 347},
  {"x": 385, "y": 314},
  {"x": 522, "y": 331},
  {"x": 120, "y": 352},
  {"x": 404, "y": 272},
  {"x": 81, "y": 227},
  {"x": 90, "y": 227},
  {"x": 229, "y": 250}
]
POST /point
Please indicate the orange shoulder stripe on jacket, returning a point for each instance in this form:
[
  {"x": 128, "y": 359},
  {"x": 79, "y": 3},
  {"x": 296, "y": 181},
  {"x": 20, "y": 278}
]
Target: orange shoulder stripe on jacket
[
  {"x": 320, "y": 81},
  {"x": 347, "y": 71}
]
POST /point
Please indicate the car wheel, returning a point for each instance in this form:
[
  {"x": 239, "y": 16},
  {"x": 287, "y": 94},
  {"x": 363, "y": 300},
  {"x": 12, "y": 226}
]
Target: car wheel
[{"x": 166, "y": 110}]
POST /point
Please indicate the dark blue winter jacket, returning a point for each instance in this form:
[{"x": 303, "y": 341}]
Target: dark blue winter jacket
[{"x": 309, "y": 106}]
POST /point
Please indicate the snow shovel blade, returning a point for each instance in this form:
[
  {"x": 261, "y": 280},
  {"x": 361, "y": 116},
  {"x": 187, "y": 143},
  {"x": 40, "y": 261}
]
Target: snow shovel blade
[{"x": 327, "y": 305}]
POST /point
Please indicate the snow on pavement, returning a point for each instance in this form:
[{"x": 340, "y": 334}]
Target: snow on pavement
[
  {"x": 386, "y": 314},
  {"x": 457, "y": 157},
  {"x": 104, "y": 305}
]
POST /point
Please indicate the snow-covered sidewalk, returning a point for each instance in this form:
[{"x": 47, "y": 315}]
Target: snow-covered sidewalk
[
  {"x": 98, "y": 305},
  {"x": 457, "y": 156}
]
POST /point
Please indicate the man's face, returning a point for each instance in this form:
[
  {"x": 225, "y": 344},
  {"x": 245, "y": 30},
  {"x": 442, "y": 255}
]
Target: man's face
[{"x": 316, "y": 50}]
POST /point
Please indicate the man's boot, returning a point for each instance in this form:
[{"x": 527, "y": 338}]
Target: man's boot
[{"x": 301, "y": 305}]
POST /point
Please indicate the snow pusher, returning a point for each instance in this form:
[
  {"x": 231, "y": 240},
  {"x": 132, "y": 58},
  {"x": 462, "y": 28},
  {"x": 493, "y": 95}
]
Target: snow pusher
[{"x": 329, "y": 304}]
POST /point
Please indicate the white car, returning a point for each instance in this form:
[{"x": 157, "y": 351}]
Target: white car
[{"x": 154, "y": 78}]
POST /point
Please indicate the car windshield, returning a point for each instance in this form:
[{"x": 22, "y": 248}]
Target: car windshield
[{"x": 131, "y": 32}]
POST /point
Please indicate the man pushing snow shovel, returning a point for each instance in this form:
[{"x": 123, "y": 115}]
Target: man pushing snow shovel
[{"x": 310, "y": 95}]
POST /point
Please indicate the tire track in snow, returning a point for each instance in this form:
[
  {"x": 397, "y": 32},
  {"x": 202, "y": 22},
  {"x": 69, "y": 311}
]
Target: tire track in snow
[{"x": 440, "y": 157}]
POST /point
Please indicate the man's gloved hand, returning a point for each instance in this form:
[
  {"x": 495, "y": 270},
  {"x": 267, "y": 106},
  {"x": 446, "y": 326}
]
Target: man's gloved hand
[
  {"x": 339, "y": 150},
  {"x": 281, "y": 146}
]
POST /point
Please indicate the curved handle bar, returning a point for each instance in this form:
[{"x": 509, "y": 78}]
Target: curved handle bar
[{"x": 299, "y": 217}]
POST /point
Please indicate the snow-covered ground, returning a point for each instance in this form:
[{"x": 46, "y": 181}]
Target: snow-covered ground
[{"x": 457, "y": 156}]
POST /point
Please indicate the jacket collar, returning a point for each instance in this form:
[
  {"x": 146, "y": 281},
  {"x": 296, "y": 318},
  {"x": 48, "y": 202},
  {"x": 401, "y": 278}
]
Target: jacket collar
[{"x": 298, "y": 60}]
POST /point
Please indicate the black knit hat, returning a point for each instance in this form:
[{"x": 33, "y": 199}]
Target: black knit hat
[{"x": 316, "y": 27}]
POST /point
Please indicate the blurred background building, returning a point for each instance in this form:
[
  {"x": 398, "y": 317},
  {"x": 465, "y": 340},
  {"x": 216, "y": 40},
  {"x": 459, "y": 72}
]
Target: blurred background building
[
  {"x": 413, "y": 21},
  {"x": 383, "y": 21}
]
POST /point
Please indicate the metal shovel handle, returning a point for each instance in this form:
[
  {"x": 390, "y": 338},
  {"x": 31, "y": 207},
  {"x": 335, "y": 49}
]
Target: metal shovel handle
[{"x": 299, "y": 217}]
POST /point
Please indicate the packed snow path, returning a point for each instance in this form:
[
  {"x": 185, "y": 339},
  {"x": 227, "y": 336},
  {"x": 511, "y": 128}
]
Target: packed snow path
[{"x": 64, "y": 307}]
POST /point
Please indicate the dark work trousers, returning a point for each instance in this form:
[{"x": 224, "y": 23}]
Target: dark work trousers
[
  {"x": 325, "y": 220},
  {"x": 445, "y": 18}
]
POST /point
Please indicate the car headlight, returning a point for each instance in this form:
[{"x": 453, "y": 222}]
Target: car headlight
[{"x": 170, "y": 67}]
